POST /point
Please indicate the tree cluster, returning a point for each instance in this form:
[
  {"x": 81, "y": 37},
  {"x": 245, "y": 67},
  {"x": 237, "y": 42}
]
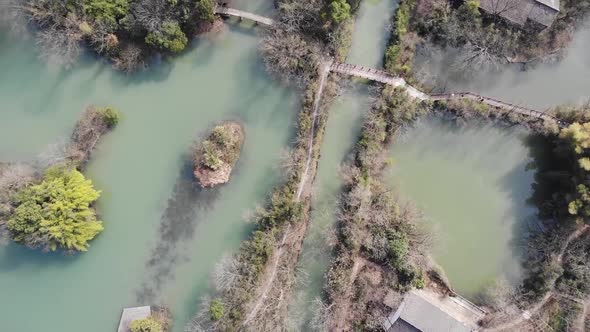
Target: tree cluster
[
  {"x": 484, "y": 44},
  {"x": 305, "y": 31},
  {"x": 57, "y": 213},
  {"x": 374, "y": 225},
  {"x": 124, "y": 30}
]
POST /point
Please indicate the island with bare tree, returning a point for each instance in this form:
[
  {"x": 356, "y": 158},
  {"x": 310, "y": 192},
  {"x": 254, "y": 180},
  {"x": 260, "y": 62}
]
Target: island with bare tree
[{"x": 216, "y": 156}]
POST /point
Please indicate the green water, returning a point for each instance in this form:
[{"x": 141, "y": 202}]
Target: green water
[
  {"x": 371, "y": 32},
  {"x": 346, "y": 116},
  {"x": 342, "y": 131},
  {"x": 148, "y": 198},
  {"x": 472, "y": 186}
]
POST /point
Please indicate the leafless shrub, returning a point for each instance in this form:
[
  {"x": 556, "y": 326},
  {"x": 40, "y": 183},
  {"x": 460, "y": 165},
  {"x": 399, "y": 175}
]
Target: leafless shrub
[
  {"x": 289, "y": 162},
  {"x": 87, "y": 133},
  {"x": 226, "y": 273},
  {"x": 289, "y": 56},
  {"x": 201, "y": 322},
  {"x": 102, "y": 38},
  {"x": 131, "y": 59},
  {"x": 61, "y": 44},
  {"x": 321, "y": 318},
  {"x": 150, "y": 14},
  {"x": 300, "y": 16},
  {"x": 56, "y": 153},
  {"x": 499, "y": 7}
]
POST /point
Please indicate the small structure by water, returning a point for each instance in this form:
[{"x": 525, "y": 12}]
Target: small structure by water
[
  {"x": 540, "y": 12},
  {"x": 426, "y": 311},
  {"x": 131, "y": 314}
]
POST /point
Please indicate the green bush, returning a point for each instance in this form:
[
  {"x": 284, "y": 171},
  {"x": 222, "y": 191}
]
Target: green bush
[
  {"x": 149, "y": 324},
  {"x": 170, "y": 37},
  {"x": 108, "y": 11},
  {"x": 57, "y": 213},
  {"x": 217, "y": 309},
  {"x": 205, "y": 10},
  {"x": 211, "y": 156},
  {"x": 111, "y": 116},
  {"x": 339, "y": 10}
]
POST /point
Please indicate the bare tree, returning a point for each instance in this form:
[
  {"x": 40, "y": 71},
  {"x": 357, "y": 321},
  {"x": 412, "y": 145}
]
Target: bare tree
[
  {"x": 102, "y": 38},
  {"x": 56, "y": 153},
  {"x": 202, "y": 320},
  {"x": 14, "y": 177},
  {"x": 131, "y": 59},
  {"x": 150, "y": 14},
  {"x": 301, "y": 16},
  {"x": 61, "y": 44},
  {"x": 320, "y": 320},
  {"x": 227, "y": 273},
  {"x": 500, "y": 7},
  {"x": 289, "y": 56}
]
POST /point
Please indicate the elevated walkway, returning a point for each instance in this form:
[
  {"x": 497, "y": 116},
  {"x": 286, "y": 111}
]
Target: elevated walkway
[{"x": 244, "y": 15}]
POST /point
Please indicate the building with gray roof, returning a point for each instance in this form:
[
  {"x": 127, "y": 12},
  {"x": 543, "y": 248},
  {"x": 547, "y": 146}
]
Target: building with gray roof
[
  {"x": 425, "y": 311},
  {"x": 520, "y": 12}
]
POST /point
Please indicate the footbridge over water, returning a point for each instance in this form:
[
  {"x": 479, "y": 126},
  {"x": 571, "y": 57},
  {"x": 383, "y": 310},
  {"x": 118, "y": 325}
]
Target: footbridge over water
[
  {"x": 244, "y": 15},
  {"x": 384, "y": 77}
]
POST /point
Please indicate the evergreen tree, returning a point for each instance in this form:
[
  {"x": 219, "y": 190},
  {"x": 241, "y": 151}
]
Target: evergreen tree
[{"x": 57, "y": 213}]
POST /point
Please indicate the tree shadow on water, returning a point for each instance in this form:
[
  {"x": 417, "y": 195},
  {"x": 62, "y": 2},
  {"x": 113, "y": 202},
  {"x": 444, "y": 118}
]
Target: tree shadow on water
[
  {"x": 14, "y": 257},
  {"x": 177, "y": 227}
]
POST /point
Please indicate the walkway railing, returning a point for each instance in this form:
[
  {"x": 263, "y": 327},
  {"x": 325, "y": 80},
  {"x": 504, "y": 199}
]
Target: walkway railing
[
  {"x": 387, "y": 78},
  {"x": 243, "y": 14}
]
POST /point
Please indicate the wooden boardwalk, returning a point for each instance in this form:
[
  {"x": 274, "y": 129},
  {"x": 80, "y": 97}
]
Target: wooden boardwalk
[
  {"x": 244, "y": 15},
  {"x": 386, "y": 78},
  {"x": 378, "y": 76},
  {"x": 498, "y": 104}
]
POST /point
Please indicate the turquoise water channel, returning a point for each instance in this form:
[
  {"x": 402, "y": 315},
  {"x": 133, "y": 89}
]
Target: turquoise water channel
[{"x": 162, "y": 235}]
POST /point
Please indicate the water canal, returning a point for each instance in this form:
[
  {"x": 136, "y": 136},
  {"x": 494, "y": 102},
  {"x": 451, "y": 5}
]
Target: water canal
[{"x": 162, "y": 235}]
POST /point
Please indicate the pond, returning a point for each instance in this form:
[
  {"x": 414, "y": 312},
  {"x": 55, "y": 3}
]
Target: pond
[
  {"x": 472, "y": 184},
  {"x": 162, "y": 235}
]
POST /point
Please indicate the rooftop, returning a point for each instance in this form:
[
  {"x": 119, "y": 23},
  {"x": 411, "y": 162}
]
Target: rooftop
[
  {"x": 550, "y": 3},
  {"x": 543, "y": 12},
  {"x": 426, "y": 311},
  {"x": 131, "y": 314}
]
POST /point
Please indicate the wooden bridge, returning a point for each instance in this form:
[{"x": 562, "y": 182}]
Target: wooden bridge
[
  {"x": 498, "y": 104},
  {"x": 377, "y": 76},
  {"x": 244, "y": 15},
  {"x": 387, "y": 78}
]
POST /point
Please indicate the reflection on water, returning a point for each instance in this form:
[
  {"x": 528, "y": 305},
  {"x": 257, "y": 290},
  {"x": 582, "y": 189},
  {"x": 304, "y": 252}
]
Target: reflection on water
[
  {"x": 473, "y": 185},
  {"x": 542, "y": 86},
  {"x": 176, "y": 228},
  {"x": 152, "y": 213}
]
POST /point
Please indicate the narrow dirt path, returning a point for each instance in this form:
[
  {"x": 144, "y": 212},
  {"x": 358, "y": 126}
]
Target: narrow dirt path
[
  {"x": 268, "y": 280},
  {"x": 324, "y": 71},
  {"x": 527, "y": 314},
  {"x": 342, "y": 310},
  {"x": 580, "y": 324}
]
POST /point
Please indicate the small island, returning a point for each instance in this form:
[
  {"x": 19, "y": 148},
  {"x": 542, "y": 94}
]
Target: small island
[{"x": 215, "y": 157}]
